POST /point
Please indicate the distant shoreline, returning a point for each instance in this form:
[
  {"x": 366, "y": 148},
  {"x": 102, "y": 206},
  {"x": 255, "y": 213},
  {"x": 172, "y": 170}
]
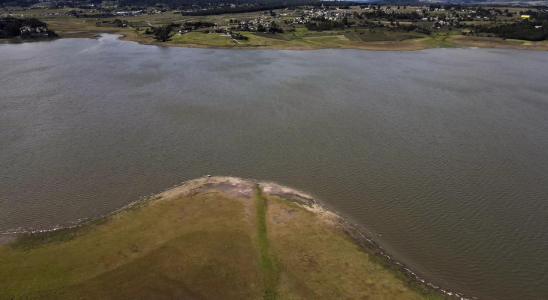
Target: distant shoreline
[
  {"x": 404, "y": 45},
  {"x": 454, "y": 42}
]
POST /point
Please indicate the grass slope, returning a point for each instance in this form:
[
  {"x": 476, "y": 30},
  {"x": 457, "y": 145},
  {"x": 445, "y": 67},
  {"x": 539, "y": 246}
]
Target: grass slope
[{"x": 207, "y": 243}]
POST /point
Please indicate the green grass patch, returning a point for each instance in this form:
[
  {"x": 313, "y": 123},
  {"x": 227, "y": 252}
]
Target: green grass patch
[
  {"x": 374, "y": 37},
  {"x": 30, "y": 241},
  {"x": 283, "y": 37},
  {"x": 267, "y": 263},
  {"x": 353, "y": 36}
]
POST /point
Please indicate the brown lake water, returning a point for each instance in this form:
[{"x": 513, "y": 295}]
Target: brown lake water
[{"x": 440, "y": 155}]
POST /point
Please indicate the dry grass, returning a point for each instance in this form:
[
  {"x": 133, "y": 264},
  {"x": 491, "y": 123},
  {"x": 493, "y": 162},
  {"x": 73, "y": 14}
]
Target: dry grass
[
  {"x": 190, "y": 247},
  {"x": 208, "y": 239},
  {"x": 321, "y": 263}
]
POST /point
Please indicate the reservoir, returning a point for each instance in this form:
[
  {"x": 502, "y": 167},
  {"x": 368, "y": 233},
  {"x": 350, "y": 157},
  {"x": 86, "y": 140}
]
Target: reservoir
[{"x": 441, "y": 156}]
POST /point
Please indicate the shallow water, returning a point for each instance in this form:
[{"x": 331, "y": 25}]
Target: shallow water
[{"x": 440, "y": 155}]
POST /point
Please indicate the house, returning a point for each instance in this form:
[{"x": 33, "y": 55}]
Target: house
[{"x": 27, "y": 31}]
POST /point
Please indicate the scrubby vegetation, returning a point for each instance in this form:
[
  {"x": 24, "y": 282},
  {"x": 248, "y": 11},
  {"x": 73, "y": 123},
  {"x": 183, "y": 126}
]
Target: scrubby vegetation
[{"x": 322, "y": 25}]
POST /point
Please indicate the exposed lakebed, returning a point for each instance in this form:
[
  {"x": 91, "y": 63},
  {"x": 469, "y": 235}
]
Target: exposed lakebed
[{"x": 440, "y": 155}]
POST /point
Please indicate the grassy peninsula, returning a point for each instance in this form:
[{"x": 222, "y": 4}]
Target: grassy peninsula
[{"x": 211, "y": 238}]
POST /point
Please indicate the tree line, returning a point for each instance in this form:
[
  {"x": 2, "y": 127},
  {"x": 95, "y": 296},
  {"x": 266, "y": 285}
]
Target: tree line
[
  {"x": 535, "y": 29},
  {"x": 526, "y": 30},
  {"x": 224, "y": 5},
  {"x": 21, "y": 3},
  {"x": 227, "y": 10},
  {"x": 11, "y": 27}
]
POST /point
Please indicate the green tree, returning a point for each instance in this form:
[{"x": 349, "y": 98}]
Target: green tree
[
  {"x": 162, "y": 33},
  {"x": 11, "y": 29}
]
